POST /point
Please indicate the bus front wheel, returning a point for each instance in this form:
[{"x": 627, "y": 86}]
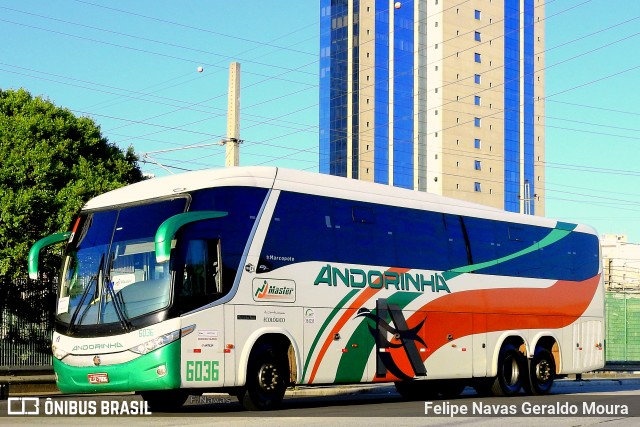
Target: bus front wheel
[
  {"x": 510, "y": 372},
  {"x": 267, "y": 375}
]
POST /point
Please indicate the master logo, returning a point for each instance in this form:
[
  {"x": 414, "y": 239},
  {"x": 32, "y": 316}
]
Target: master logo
[
  {"x": 268, "y": 290},
  {"x": 262, "y": 291}
]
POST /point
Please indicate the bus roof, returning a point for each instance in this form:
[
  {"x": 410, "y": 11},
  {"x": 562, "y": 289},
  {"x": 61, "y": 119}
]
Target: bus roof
[
  {"x": 155, "y": 188},
  {"x": 305, "y": 182}
]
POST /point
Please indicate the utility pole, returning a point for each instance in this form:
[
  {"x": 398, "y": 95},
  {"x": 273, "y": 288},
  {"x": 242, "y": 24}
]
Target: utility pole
[{"x": 233, "y": 141}]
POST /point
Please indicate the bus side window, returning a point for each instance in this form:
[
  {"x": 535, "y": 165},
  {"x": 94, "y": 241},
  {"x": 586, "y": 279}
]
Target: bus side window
[{"x": 201, "y": 272}]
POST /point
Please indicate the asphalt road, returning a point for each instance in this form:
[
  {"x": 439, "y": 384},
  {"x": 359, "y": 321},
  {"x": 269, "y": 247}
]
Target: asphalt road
[{"x": 571, "y": 404}]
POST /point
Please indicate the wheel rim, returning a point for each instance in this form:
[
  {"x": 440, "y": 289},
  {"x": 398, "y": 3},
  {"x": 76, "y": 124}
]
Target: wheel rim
[
  {"x": 543, "y": 371},
  {"x": 511, "y": 371},
  {"x": 268, "y": 377}
]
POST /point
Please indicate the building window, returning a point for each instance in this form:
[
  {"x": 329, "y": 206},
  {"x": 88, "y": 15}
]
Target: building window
[
  {"x": 476, "y": 122},
  {"x": 477, "y": 14},
  {"x": 477, "y": 57},
  {"x": 476, "y": 143},
  {"x": 477, "y": 187},
  {"x": 476, "y": 36},
  {"x": 476, "y": 165},
  {"x": 476, "y": 100},
  {"x": 476, "y": 79}
]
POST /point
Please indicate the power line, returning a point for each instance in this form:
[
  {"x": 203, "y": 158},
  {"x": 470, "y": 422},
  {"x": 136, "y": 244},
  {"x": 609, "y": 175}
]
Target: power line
[
  {"x": 187, "y": 107},
  {"x": 135, "y": 49},
  {"x": 554, "y": 94},
  {"x": 260, "y": 43},
  {"x": 146, "y": 39},
  {"x": 573, "y": 104}
]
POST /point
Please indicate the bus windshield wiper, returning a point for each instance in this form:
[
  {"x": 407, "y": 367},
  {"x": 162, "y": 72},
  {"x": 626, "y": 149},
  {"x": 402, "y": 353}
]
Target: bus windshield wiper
[
  {"x": 85, "y": 292},
  {"x": 118, "y": 303}
]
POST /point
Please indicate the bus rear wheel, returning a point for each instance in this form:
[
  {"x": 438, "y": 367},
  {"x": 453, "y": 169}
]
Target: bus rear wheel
[
  {"x": 267, "y": 375},
  {"x": 510, "y": 372},
  {"x": 542, "y": 370}
]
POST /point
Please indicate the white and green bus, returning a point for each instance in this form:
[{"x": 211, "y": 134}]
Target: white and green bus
[{"x": 251, "y": 280}]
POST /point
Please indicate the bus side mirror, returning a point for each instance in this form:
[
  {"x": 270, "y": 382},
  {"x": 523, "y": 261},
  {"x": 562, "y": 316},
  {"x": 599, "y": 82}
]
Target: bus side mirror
[
  {"x": 170, "y": 227},
  {"x": 34, "y": 252}
]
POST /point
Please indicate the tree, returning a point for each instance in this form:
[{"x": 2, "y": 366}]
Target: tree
[{"x": 51, "y": 163}]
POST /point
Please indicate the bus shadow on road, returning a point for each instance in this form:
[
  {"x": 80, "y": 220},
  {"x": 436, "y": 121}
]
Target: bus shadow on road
[{"x": 352, "y": 404}]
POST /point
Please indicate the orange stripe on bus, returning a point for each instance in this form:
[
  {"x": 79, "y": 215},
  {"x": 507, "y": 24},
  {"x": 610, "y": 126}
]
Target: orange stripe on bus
[
  {"x": 364, "y": 296},
  {"x": 489, "y": 310}
]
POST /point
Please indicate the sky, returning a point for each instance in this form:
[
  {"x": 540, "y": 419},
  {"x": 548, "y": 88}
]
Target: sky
[{"x": 132, "y": 66}]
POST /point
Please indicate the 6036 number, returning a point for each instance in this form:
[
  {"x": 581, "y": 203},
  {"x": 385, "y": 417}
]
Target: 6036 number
[{"x": 202, "y": 370}]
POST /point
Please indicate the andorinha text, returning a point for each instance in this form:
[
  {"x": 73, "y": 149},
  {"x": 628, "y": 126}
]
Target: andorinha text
[
  {"x": 97, "y": 346},
  {"x": 358, "y": 278}
]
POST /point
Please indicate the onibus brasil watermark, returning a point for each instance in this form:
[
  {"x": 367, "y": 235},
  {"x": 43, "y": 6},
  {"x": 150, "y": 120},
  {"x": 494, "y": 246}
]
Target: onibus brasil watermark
[{"x": 34, "y": 406}]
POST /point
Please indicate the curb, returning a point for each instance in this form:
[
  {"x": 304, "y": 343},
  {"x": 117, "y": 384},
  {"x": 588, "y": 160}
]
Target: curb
[
  {"x": 387, "y": 388},
  {"x": 608, "y": 382}
]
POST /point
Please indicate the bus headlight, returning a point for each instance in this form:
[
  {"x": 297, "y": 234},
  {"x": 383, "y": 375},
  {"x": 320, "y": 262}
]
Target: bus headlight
[
  {"x": 58, "y": 353},
  {"x": 156, "y": 343}
]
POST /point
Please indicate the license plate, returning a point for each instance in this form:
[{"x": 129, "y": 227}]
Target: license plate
[{"x": 101, "y": 378}]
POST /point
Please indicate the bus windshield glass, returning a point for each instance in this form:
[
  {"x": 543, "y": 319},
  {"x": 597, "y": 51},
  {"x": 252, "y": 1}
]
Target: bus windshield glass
[{"x": 110, "y": 274}]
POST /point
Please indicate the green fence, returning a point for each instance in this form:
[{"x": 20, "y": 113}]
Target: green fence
[
  {"x": 26, "y": 315},
  {"x": 623, "y": 327}
]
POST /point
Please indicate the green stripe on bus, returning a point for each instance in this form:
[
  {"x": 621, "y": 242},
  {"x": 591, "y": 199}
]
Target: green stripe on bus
[
  {"x": 324, "y": 326},
  {"x": 354, "y": 361},
  {"x": 561, "y": 231}
]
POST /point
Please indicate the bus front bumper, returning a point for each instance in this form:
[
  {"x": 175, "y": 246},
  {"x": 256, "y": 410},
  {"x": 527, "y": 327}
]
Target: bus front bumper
[{"x": 157, "y": 370}]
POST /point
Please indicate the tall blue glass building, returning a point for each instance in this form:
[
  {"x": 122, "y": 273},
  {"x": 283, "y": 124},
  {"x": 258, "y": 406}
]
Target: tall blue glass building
[{"x": 440, "y": 96}]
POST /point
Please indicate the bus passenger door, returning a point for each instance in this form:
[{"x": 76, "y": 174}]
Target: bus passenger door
[{"x": 199, "y": 282}]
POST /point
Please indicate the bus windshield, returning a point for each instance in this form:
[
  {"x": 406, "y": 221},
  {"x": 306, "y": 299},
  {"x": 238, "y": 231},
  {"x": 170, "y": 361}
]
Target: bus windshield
[{"x": 110, "y": 274}]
